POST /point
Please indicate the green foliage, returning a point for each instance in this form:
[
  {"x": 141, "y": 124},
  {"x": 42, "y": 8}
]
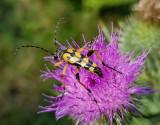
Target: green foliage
[{"x": 97, "y": 4}]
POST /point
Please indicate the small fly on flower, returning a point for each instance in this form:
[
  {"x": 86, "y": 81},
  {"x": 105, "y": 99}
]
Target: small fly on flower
[{"x": 74, "y": 57}]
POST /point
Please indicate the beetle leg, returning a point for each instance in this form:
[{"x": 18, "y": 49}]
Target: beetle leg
[
  {"x": 91, "y": 51},
  {"x": 58, "y": 63},
  {"x": 104, "y": 63},
  {"x": 81, "y": 49},
  {"x": 78, "y": 79},
  {"x": 95, "y": 51},
  {"x": 64, "y": 72}
]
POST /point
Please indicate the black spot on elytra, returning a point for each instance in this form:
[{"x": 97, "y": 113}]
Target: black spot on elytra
[
  {"x": 88, "y": 65},
  {"x": 98, "y": 71},
  {"x": 72, "y": 54}
]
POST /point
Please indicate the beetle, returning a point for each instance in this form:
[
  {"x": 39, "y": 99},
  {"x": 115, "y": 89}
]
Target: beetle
[{"x": 76, "y": 58}]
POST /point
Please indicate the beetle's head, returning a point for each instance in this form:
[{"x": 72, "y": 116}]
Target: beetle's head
[{"x": 59, "y": 54}]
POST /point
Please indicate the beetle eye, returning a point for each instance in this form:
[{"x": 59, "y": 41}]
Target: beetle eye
[{"x": 55, "y": 56}]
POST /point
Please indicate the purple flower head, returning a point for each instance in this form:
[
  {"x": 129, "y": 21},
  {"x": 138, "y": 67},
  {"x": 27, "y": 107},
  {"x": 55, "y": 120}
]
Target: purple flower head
[{"x": 113, "y": 92}]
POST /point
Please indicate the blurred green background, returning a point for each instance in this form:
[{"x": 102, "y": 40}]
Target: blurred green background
[{"x": 32, "y": 22}]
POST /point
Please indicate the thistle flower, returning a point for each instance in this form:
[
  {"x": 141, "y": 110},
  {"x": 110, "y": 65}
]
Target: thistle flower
[{"x": 113, "y": 93}]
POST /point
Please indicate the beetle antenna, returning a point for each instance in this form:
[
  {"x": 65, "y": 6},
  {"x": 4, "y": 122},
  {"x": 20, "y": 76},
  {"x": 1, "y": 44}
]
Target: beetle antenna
[
  {"x": 16, "y": 50},
  {"x": 55, "y": 32}
]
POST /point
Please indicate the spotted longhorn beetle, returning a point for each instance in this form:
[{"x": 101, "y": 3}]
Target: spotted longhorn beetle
[{"x": 76, "y": 58}]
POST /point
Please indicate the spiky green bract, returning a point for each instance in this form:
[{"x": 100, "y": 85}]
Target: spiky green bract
[{"x": 136, "y": 33}]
